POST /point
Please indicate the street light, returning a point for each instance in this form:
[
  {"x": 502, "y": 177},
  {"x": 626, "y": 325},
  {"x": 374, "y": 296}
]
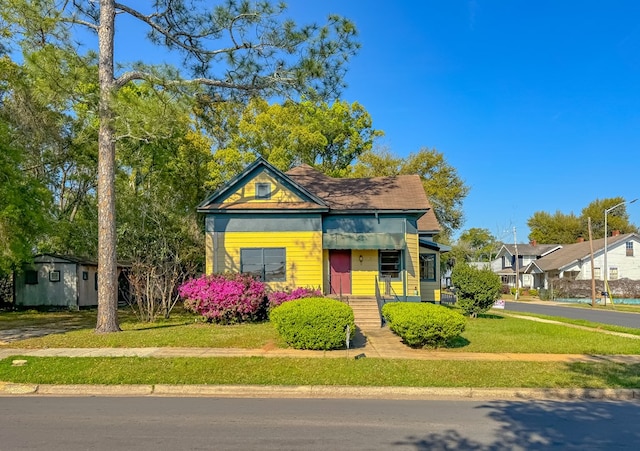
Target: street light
[{"x": 606, "y": 268}]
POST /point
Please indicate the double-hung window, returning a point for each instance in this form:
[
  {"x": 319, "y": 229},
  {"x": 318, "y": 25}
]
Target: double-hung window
[
  {"x": 428, "y": 267},
  {"x": 390, "y": 264},
  {"x": 268, "y": 263}
]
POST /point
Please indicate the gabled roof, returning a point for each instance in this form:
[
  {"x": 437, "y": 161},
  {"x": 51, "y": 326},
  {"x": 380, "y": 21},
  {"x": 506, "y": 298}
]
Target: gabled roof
[
  {"x": 539, "y": 250},
  {"x": 309, "y": 200},
  {"x": 319, "y": 192},
  {"x": 571, "y": 253},
  {"x": 402, "y": 193}
]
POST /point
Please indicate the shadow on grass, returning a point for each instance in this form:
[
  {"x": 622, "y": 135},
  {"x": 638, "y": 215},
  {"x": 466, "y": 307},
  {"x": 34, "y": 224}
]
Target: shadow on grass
[
  {"x": 490, "y": 316},
  {"x": 457, "y": 342},
  {"x": 152, "y": 326},
  {"x": 610, "y": 374}
]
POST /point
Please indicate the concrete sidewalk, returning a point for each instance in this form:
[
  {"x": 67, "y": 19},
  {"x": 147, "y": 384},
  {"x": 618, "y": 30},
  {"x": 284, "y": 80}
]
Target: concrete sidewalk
[{"x": 377, "y": 343}]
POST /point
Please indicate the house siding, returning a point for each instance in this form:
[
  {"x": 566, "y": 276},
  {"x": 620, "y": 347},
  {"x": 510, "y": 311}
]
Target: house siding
[
  {"x": 628, "y": 266},
  {"x": 363, "y": 276},
  {"x": 412, "y": 267},
  {"x": 246, "y": 193},
  {"x": 303, "y": 254},
  {"x": 430, "y": 290}
]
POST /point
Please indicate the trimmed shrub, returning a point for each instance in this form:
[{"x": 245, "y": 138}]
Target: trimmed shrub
[
  {"x": 477, "y": 289},
  {"x": 422, "y": 324},
  {"x": 278, "y": 297},
  {"x": 226, "y": 298},
  {"x": 533, "y": 292},
  {"x": 314, "y": 323}
]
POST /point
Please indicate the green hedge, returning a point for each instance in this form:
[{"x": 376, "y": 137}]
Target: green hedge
[
  {"x": 477, "y": 289},
  {"x": 421, "y": 325},
  {"x": 314, "y": 323}
]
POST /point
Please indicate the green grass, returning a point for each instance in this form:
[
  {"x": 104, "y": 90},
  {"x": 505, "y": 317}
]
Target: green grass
[
  {"x": 291, "y": 371},
  {"x": 181, "y": 330},
  {"x": 496, "y": 333},
  {"x": 489, "y": 333},
  {"x": 581, "y": 322}
]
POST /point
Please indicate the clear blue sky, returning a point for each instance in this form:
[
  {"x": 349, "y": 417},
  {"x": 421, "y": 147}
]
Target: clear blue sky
[{"x": 535, "y": 103}]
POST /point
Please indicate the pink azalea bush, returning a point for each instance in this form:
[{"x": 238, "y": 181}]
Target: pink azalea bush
[
  {"x": 278, "y": 297},
  {"x": 235, "y": 298},
  {"x": 225, "y": 298}
]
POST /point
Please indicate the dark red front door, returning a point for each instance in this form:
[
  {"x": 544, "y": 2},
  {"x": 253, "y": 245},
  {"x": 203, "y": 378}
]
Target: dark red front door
[{"x": 340, "y": 262}]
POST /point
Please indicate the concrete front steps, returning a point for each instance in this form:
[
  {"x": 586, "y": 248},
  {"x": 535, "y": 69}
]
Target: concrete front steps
[{"x": 365, "y": 312}]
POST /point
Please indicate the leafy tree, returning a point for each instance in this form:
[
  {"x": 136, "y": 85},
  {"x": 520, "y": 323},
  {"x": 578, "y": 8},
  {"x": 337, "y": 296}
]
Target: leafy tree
[
  {"x": 23, "y": 205},
  {"x": 558, "y": 228},
  {"x": 233, "y": 47},
  {"x": 160, "y": 181},
  {"x": 561, "y": 228},
  {"x": 477, "y": 289},
  {"x": 328, "y": 137},
  {"x": 444, "y": 187},
  {"x": 617, "y": 218},
  {"x": 56, "y": 136},
  {"x": 475, "y": 244}
]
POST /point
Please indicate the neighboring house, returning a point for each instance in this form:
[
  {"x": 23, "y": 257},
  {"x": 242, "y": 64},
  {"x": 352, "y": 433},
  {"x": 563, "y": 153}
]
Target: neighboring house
[
  {"x": 505, "y": 262},
  {"x": 58, "y": 280},
  {"x": 344, "y": 236},
  {"x": 573, "y": 261}
]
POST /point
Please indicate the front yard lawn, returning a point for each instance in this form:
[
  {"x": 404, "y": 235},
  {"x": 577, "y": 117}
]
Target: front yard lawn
[
  {"x": 298, "y": 371},
  {"x": 489, "y": 333}
]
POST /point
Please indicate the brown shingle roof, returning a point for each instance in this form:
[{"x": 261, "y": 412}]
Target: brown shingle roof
[
  {"x": 403, "y": 192},
  {"x": 429, "y": 222},
  {"x": 576, "y": 251}
]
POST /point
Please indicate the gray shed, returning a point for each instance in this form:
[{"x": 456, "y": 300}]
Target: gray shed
[{"x": 58, "y": 280}]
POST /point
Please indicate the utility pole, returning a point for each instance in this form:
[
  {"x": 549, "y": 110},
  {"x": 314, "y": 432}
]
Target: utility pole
[
  {"x": 593, "y": 276},
  {"x": 515, "y": 242}
]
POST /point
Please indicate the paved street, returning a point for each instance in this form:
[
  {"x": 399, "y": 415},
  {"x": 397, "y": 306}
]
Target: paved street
[{"x": 288, "y": 424}]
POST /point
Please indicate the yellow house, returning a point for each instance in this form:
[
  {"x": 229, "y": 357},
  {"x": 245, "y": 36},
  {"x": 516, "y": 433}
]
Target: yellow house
[{"x": 348, "y": 237}]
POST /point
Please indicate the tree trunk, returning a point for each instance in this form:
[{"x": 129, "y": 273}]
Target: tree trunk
[{"x": 107, "y": 267}]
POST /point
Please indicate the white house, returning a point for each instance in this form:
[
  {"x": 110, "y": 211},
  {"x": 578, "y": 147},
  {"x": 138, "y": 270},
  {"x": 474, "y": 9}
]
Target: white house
[
  {"x": 573, "y": 261},
  {"x": 505, "y": 262}
]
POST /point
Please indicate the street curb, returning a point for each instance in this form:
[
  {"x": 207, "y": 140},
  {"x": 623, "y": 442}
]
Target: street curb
[{"x": 320, "y": 392}]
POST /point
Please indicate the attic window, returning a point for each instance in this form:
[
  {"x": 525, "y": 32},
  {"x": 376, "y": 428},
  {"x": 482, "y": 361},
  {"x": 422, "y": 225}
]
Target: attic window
[
  {"x": 629, "y": 246},
  {"x": 263, "y": 191}
]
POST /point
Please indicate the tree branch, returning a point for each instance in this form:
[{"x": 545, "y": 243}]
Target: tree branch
[{"x": 172, "y": 36}]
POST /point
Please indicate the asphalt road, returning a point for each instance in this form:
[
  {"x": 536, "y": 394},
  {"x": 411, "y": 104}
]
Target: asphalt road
[
  {"x": 301, "y": 424},
  {"x": 625, "y": 319}
]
